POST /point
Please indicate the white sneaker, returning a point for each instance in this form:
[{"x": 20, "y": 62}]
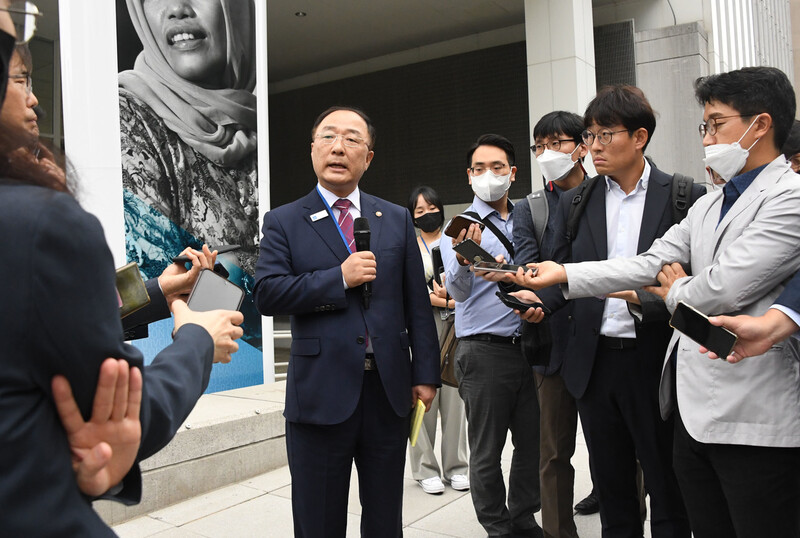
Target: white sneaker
[
  {"x": 432, "y": 485},
  {"x": 459, "y": 482}
]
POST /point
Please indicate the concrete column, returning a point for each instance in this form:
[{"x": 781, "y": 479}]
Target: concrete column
[
  {"x": 668, "y": 60},
  {"x": 560, "y": 49}
]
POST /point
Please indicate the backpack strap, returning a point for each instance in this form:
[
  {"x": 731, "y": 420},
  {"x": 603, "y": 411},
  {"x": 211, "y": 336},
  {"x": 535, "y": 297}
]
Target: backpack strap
[
  {"x": 500, "y": 235},
  {"x": 540, "y": 213},
  {"x": 578, "y": 205},
  {"x": 681, "y": 196}
]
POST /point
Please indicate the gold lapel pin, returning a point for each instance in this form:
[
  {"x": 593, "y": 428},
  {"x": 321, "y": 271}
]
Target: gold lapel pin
[{"x": 378, "y": 214}]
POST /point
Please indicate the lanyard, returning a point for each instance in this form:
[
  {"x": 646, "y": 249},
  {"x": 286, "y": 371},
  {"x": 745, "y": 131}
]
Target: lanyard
[
  {"x": 336, "y": 222},
  {"x": 424, "y": 243}
]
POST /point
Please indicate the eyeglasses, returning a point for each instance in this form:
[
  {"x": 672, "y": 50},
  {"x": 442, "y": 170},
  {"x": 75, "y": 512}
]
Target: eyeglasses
[
  {"x": 555, "y": 145},
  {"x": 23, "y": 15},
  {"x": 23, "y": 78},
  {"x": 710, "y": 127},
  {"x": 604, "y": 137},
  {"x": 496, "y": 168},
  {"x": 350, "y": 141}
]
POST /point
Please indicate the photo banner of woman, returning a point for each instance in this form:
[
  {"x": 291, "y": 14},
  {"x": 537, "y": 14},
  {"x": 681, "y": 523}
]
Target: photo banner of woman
[{"x": 189, "y": 149}]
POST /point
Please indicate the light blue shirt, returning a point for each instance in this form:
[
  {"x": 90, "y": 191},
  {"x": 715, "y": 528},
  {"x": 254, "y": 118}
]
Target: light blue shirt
[
  {"x": 478, "y": 310},
  {"x": 623, "y": 223}
]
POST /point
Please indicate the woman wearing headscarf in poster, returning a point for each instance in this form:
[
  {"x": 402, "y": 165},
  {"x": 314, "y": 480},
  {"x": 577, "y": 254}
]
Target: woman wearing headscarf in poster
[{"x": 188, "y": 133}]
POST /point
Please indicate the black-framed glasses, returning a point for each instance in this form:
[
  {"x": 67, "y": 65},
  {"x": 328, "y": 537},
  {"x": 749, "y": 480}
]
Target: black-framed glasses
[
  {"x": 555, "y": 145},
  {"x": 496, "y": 168},
  {"x": 349, "y": 140},
  {"x": 23, "y": 15},
  {"x": 23, "y": 78},
  {"x": 605, "y": 136},
  {"x": 710, "y": 127}
]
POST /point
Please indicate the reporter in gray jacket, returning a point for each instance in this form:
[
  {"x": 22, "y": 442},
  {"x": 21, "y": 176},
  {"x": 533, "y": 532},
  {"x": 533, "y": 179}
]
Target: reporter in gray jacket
[{"x": 737, "y": 437}]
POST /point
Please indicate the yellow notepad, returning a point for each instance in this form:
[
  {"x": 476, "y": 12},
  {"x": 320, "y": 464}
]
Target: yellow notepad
[{"x": 416, "y": 421}]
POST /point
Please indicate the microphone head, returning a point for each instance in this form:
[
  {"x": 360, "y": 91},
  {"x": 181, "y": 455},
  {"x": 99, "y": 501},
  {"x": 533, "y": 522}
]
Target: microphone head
[{"x": 361, "y": 224}]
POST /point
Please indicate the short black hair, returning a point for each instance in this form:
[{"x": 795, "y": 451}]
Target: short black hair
[
  {"x": 559, "y": 122},
  {"x": 495, "y": 140},
  {"x": 428, "y": 194},
  {"x": 25, "y": 55},
  {"x": 331, "y": 110},
  {"x": 792, "y": 144},
  {"x": 752, "y": 91},
  {"x": 621, "y": 104}
]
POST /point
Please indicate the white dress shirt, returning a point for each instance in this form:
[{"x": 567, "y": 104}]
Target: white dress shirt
[{"x": 623, "y": 223}]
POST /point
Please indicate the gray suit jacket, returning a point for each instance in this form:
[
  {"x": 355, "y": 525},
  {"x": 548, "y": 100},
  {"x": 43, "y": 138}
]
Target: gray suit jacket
[{"x": 739, "y": 267}]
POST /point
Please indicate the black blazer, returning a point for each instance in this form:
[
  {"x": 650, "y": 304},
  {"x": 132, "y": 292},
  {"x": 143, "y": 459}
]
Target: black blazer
[
  {"x": 590, "y": 244},
  {"x": 60, "y": 315}
]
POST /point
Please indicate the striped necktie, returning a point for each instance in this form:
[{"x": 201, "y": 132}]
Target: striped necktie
[{"x": 345, "y": 221}]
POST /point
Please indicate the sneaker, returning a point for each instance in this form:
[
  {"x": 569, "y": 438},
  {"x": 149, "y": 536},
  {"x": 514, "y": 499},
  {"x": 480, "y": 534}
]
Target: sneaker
[
  {"x": 459, "y": 482},
  {"x": 432, "y": 485}
]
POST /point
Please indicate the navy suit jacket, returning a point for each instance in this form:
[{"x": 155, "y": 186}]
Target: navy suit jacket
[
  {"x": 60, "y": 315},
  {"x": 591, "y": 244},
  {"x": 299, "y": 274}
]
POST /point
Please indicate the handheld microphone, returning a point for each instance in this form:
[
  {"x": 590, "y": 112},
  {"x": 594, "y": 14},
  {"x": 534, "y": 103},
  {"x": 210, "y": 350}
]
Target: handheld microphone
[{"x": 361, "y": 235}]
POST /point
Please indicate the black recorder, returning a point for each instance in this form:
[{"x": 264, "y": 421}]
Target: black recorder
[{"x": 696, "y": 326}]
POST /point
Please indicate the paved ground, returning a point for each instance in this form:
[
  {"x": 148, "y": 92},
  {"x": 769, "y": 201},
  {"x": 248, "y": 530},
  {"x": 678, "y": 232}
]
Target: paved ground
[{"x": 261, "y": 507}]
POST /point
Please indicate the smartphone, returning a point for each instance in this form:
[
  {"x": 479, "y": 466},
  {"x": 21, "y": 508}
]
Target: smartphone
[
  {"x": 458, "y": 223},
  {"x": 438, "y": 264},
  {"x": 696, "y": 326},
  {"x": 221, "y": 249},
  {"x": 514, "y": 302},
  {"x": 213, "y": 292},
  {"x": 498, "y": 267},
  {"x": 131, "y": 291},
  {"x": 473, "y": 252}
]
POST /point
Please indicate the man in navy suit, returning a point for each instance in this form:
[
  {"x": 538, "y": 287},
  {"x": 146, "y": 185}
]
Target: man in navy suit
[{"x": 351, "y": 381}]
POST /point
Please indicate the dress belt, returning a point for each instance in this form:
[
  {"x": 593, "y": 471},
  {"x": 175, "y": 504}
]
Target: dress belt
[
  {"x": 492, "y": 338},
  {"x": 612, "y": 342}
]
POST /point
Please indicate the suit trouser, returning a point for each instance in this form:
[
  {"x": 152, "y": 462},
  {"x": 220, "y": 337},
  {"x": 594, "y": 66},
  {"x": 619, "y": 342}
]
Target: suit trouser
[
  {"x": 737, "y": 491},
  {"x": 559, "y": 423},
  {"x": 454, "y": 438},
  {"x": 621, "y": 421},
  {"x": 321, "y": 458},
  {"x": 497, "y": 386}
]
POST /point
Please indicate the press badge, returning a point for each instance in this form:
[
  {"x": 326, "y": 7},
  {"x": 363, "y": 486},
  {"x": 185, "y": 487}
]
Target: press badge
[{"x": 319, "y": 215}]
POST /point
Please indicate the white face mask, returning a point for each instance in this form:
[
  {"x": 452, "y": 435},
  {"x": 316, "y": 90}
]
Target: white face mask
[
  {"x": 555, "y": 165},
  {"x": 727, "y": 160},
  {"x": 490, "y": 187}
]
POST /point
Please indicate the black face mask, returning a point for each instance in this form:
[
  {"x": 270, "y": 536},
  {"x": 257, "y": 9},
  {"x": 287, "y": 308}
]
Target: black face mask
[
  {"x": 429, "y": 222},
  {"x": 7, "y": 42}
]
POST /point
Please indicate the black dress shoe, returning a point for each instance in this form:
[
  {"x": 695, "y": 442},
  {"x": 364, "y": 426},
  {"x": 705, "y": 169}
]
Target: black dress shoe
[{"x": 589, "y": 505}]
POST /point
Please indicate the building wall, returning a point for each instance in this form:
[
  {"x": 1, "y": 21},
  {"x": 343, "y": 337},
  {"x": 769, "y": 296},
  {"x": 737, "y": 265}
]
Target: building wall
[
  {"x": 426, "y": 115},
  {"x": 668, "y": 60}
]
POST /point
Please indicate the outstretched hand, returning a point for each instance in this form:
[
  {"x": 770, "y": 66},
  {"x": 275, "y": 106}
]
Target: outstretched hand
[
  {"x": 540, "y": 275},
  {"x": 755, "y": 335},
  {"x": 176, "y": 281},
  {"x": 103, "y": 449},
  {"x": 222, "y": 325}
]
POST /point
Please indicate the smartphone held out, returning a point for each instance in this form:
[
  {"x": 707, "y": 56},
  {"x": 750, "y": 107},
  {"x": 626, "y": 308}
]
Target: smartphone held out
[
  {"x": 214, "y": 292},
  {"x": 694, "y": 324}
]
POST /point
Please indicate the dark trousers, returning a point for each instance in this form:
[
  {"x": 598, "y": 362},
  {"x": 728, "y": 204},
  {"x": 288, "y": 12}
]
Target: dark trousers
[
  {"x": 497, "y": 386},
  {"x": 558, "y": 426},
  {"x": 736, "y": 491},
  {"x": 620, "y": 418},
  {"x": 321, "y": 457}
]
